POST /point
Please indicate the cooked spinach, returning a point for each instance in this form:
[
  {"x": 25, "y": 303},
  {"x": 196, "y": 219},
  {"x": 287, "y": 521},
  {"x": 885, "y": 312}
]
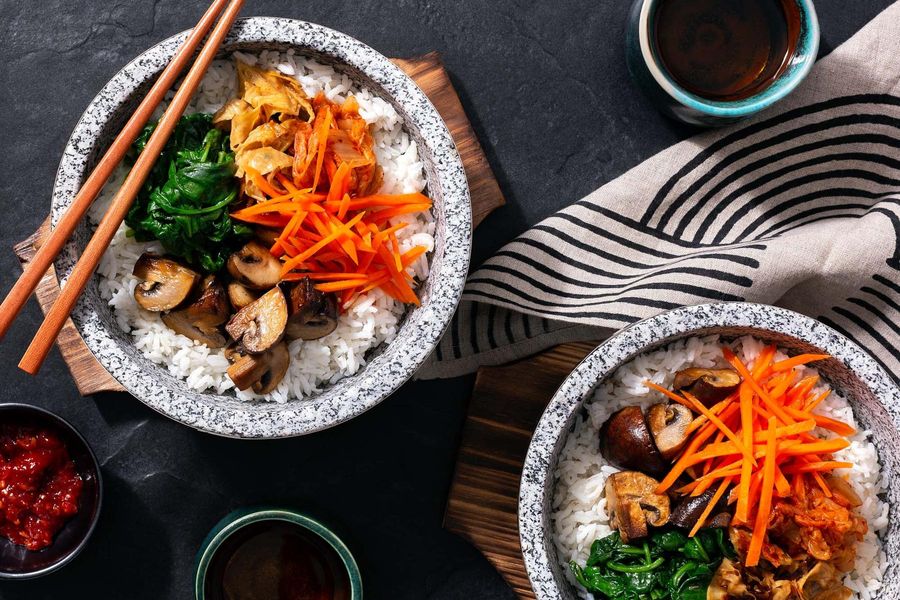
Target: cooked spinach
[
  {"x": 667, "y": 566},
  {"x": 184, "y": 202}
]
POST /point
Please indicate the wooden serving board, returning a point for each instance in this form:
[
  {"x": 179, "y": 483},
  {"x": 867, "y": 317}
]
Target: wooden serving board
[
  {"x": 506, "y": 404},
  {"x": 429, "y": 73}
]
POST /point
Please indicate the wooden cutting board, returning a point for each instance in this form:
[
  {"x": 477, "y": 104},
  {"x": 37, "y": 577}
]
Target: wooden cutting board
[
  {"x": 506, "y": 404},
  {"x": 429, "y": 73}
]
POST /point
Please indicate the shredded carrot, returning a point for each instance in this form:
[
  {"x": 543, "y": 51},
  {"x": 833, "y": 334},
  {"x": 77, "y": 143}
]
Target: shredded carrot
[
  {"x": 801, "y": 359},
  {"x": 671, "y": 395},
  {"x": 765, "y": 502},
  {"x": 824, "y": 465},
  {"x": 761, "y": 442},
  {"x": 710, "y": 506}
]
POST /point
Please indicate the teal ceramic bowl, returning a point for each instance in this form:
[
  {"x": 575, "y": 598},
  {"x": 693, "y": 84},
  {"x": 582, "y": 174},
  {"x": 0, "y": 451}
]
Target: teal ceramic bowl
[
  {"x": 651, "y": 76},
  {"x": 242, "y": 518}
]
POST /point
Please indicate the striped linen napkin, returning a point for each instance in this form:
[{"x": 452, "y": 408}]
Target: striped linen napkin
[{"x": 799, "y": 207}]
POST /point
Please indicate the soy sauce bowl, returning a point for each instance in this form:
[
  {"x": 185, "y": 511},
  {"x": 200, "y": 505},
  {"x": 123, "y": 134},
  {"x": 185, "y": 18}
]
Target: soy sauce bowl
[
  {"x": 219, "y": 549},
  {"x": 16, "y": 562}
]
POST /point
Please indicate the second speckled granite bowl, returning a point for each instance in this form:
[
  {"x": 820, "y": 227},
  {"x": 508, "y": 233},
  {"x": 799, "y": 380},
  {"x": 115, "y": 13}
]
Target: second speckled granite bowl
[
  {"x": 872, "y": 393},
  {"x": 393, "y": 363}
]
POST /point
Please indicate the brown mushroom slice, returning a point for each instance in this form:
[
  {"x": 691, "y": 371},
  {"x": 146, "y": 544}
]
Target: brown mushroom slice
[
  {"x": 240, "y": 295},
  {"x": 266, "y": 236},
  {"x": 166, "y": 283},
  {"x": 669, "y": 425},
  {"x": 689, "y": 509},
  {"x": 262, "y": 372},
  {"x": 201, "y": 319},
  {"x": 633, "y": 504},
  {"x": 709, "y": 386},
  {"x": 626, "y": 441},
  {"x": 255, "y": 267},
  {"x": 313, "y": 314},
  {"x": 260, "y": 325}
]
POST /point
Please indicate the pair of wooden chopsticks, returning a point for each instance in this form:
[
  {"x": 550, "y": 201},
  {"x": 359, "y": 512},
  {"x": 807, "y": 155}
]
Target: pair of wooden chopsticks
[{"x": 90, "y": 258}]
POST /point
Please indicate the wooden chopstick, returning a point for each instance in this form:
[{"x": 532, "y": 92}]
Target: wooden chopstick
[
  {"x": 47, "y": 252},
  {"x": 43, "y": 340}
]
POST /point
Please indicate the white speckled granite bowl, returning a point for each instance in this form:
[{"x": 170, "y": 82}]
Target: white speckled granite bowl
[
  {"x": 871, "y": 391},
  {"x": 392, "y": 364}
]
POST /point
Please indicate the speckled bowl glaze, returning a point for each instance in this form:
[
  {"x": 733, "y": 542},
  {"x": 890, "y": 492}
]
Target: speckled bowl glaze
[
  {"x": 392, "y": 364},
  {"x": 872, "y": 393}
]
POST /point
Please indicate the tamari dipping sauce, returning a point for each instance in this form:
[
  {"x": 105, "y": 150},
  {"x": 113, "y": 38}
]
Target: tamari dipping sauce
[
  {"x": 276, "y": 560},
  {"x": 726, "y": 49}
]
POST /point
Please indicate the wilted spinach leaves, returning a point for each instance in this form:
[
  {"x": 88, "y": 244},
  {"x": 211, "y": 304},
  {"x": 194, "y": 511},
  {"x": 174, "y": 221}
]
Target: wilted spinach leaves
[
  {"x": 667, "y": 566},
  {"x": 184, "y": 202}
]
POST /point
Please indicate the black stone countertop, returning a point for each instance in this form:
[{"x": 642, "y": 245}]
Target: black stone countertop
[{"x": 547, "y": 91}]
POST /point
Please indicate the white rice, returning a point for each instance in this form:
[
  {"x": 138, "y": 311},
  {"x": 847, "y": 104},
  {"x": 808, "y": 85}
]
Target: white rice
[
  {"x": 579, "y": 507},
  {"x": 371, "y": 320}
]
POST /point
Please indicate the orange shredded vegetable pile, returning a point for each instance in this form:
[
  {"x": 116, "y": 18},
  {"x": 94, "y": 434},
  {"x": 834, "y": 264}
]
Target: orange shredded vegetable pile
[
  {"x": 332, "y": 229},
  {"x": 759, "y": 441}
]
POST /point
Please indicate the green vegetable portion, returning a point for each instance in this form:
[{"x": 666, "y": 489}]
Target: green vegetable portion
[
  {"x": 184, "y": 202},
  {"x": 667, "y": 566}
]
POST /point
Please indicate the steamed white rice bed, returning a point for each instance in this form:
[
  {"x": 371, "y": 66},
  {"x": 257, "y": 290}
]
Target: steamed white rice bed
[
  {"x": 371, "y": 320},
  {"x": 579, "y": 515}
]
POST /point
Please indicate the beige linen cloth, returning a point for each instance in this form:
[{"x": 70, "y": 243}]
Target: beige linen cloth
[{"x": 799, "y": 207}]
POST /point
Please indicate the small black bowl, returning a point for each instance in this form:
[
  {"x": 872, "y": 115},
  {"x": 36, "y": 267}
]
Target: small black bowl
[{"x": 15, "y": 561}]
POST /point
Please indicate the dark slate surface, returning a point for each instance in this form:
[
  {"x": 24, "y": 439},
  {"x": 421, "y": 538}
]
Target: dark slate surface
[{"x": 548, "y": 94}]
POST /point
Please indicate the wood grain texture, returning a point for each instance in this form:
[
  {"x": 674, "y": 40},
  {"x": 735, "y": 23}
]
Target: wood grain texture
[
  {"x": 428, "y": 72},
  {"x": 90, "y": 377},
  {"x": 506, "y": 404}
]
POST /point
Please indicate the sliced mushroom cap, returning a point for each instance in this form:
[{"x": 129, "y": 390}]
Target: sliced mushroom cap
[
  {"x": 260, "y": 325},
  {"x": 240, "y": 295},
  {"x": 201, "y": 319},
  {"x": 626, "y": 442},
  {"x": 166, "y": 283},
  {"x": 313, "y": 314},
  {"x": 633, "y": 504},
  {"x": 263, "y": 372},
  {"x": 669, "y": 425},
  {"x": 266, "y": 236},
  {"x": 690, "y": 508},
  {"x": 709, "y": 386},
  {"x": 254, "y": 266}
]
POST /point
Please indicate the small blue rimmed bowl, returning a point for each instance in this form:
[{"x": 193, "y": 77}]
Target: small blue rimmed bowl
[
  {"x": 244, "y": 528},
  {"x": 16, "y": 562},
  {"x": 652, "y": 77}
]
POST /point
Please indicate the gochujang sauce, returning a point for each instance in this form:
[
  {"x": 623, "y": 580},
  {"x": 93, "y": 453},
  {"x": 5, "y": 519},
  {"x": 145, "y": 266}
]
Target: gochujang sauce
[
  {"x": 726, "y": 49},
  {"x": 276, "y": 560},
  {"x": 39, "y": 485}
]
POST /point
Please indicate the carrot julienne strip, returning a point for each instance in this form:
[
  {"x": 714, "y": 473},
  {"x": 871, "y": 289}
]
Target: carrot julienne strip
[
  {"x": 796, "y": 361},
  {"x": 765, "y": 502},
  {"x": 710, "y": 506}
]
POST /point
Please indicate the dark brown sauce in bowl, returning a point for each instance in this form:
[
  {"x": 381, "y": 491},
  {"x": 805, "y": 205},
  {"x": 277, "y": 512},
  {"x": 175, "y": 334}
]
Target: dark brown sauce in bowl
[
  {"x": 276, "y": 560},
  {"x": 726, "y": 49}
]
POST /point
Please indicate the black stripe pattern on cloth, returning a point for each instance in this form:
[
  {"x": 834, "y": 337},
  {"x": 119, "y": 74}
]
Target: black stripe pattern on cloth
[{"x": 800, "y": 208}]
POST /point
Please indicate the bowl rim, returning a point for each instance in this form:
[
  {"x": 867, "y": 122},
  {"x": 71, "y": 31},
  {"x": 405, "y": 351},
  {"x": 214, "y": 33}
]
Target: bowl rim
[
  {"x": 270, "y": 420},
  {"x": 240, "y": 518},
  {"x": 626, "y": 344},
  {"x": 59, "y": 421}
]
